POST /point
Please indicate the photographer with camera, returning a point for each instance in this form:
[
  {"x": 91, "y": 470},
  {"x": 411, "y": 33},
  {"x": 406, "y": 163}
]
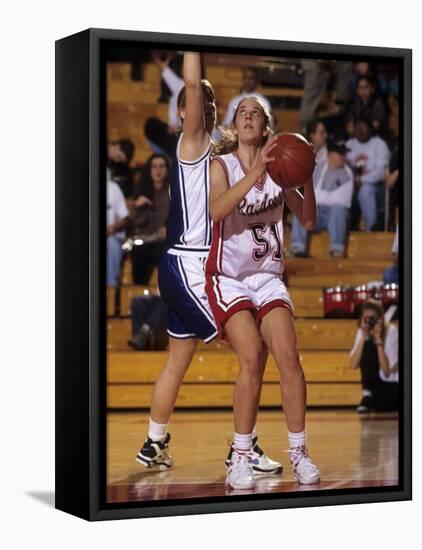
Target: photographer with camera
[{"x": 375, "y": 351}]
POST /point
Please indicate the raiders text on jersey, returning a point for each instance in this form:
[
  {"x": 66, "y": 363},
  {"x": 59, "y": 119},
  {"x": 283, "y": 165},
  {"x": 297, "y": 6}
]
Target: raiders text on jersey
[{"x": 260, "y": 206}]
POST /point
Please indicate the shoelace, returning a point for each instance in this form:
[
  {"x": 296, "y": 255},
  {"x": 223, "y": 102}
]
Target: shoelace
[
  {"x": 242, "y": 460},
  {"x": 255, "y": 447},
  {"x": 299, "y": 458}
]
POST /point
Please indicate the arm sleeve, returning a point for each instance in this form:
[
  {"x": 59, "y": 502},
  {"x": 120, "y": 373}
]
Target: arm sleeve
[
  {"x": 120, "y": 204},
  {"x": 359, "y": 335},
  {"x": 381, "y": 160},
  {"x": 395, "y": 247},
  {"x": 229, "y": 113},
  {"x": 391, "y": 346},
  {"x": 322, "y": 196},
  {"x": 173, "y": 81},
  {"x": 343, "y": 194}
]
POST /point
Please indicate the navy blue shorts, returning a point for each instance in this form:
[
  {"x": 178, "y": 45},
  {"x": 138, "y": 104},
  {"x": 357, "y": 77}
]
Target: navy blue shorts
[{"x": 182, "y": 286}]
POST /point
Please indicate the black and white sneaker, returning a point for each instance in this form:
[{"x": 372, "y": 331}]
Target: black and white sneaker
[
  {"x": 261, "y": 463},
  {"x": 365, "y": 405},
  {"x": 154, "y": 455}
]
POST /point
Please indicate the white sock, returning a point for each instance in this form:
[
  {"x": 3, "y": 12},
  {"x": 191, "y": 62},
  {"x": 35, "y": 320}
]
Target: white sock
[
  {"x": 297, "y": 439},
  {"x": 157, "y": 432},
  {"x": 366, "y": 393},
  {"x": 242, "y": 442}
]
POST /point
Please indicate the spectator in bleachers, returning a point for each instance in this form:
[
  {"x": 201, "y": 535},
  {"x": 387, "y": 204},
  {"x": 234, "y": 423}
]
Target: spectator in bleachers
[
  {"x": 316, "y": 76},
  {"x": 368, "y": 157},
  {"x": 117, "y": 221},
  {"x": 367, "y": 103},
  {"x": 317, "y": 135},
  {"x": 149, "y": 218},
  {"x": 119, "y": 156},
  {"x": 391, "y": 273},
  {"x": 148, "y": 320},
  {"x": 249, "y": 86},
  {"x": 161, "y": 135},
  {"x": 388, "y": 79},
  {"x": 333, "y": 183},
  {"x": 392, "y": 182},
  {"x": 375, "y": 352},
  {"x": 361, "y": 68}
]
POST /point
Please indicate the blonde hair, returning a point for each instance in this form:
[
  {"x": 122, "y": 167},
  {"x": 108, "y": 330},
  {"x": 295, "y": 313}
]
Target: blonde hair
[{"x": 229, "y": 141}]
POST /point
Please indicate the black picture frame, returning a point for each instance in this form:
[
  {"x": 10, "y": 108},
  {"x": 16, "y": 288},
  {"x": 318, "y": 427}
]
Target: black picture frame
[{"x": 80, "y": 267}]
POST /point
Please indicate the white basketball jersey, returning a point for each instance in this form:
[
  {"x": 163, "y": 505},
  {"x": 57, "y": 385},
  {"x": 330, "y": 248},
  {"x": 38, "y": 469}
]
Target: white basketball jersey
[
  {"x": 250, "y": 239},
  {"x": 189, "y": 226}
]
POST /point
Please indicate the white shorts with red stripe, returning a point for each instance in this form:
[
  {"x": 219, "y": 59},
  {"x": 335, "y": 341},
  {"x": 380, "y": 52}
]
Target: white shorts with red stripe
[{"x": 259, "y": 293}]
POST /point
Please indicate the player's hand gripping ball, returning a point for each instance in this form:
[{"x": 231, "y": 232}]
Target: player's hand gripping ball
[{"x": 294, "y": 161}]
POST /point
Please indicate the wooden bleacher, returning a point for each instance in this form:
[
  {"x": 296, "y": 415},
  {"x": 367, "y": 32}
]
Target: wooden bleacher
[
  {"x": 209, "y": 381},
  {"x": 130, "y": 103},
  {"x": 312, "y": 334},
  {"x": 323, "y": 344}
]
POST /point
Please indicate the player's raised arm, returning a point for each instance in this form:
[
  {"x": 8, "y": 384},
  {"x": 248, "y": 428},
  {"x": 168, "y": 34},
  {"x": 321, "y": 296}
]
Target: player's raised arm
[{"x": 195, "y": 136}]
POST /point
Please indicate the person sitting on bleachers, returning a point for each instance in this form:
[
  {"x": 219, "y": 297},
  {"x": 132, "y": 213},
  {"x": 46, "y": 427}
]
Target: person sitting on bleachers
[
  {"x": 317, "y": 135},
  {"x": 367, "y": 103},
  {"x": 117, "y": 221},
  {"x": 249, "y": 86},
  {"x": 333, "y": 182},
  {"x": 360, "y": 68},
  {"x": 368, "y": 157},
  {"x": 119, "y": 155},
  {"x": 149, "y": 218},
  {"x": 375, "y": 352},
  {"x": 148, "y": 315},
  {"x": 393, "y": 184}
]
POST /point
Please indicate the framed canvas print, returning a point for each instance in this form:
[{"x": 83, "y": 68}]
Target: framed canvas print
[{"x": 233, "y": 277}]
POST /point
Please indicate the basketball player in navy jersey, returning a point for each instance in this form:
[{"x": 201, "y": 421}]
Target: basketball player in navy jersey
[
  {"x": 181, "y": 270},
  {"x": 248, "y": 298}
]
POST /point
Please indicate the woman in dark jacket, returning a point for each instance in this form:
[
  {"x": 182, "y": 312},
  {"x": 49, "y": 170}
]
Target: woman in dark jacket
[{"x": 149, "y": 217}]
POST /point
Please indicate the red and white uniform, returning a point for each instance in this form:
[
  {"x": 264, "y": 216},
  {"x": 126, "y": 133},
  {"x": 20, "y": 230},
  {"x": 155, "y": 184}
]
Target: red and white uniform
[{"x": 245, "y": 263}]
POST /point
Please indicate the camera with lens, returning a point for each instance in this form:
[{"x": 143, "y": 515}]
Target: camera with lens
[{"x": 371, "y": 321}]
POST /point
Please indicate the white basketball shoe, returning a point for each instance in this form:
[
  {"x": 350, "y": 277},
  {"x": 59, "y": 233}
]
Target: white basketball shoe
[
  {"x": 261, "y": 463},
  {"x": 303, "y": 469},
  {"x": 240, "y": 472}
]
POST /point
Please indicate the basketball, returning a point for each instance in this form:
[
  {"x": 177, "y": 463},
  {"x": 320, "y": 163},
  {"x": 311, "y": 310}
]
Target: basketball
[{"x": 294, "y": 161}]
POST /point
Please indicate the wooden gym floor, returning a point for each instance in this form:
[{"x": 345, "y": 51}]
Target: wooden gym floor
[{"x": 351, "y": 451}]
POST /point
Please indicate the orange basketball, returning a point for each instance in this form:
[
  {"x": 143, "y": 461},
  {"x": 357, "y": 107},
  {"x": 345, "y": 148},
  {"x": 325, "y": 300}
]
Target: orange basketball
[{"x": 294, "y": 161}]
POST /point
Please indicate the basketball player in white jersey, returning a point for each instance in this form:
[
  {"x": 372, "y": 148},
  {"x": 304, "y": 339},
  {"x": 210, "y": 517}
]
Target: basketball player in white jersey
[
  {"x": 244, "y": 287},
  {"x": 181, "y": 269}
]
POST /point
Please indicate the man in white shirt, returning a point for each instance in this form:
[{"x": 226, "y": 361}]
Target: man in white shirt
[
  {"x": 368, "y": 157},
  {"x": 333, "y": 183},
  {"x": 117, "y": 221},
  {"x": 249, "y": 86},
  {"x": 162, "y": 135}
]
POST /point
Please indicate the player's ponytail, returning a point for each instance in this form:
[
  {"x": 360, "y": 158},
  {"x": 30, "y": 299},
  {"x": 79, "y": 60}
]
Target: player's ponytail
[{"x": 227, "y": 142}]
